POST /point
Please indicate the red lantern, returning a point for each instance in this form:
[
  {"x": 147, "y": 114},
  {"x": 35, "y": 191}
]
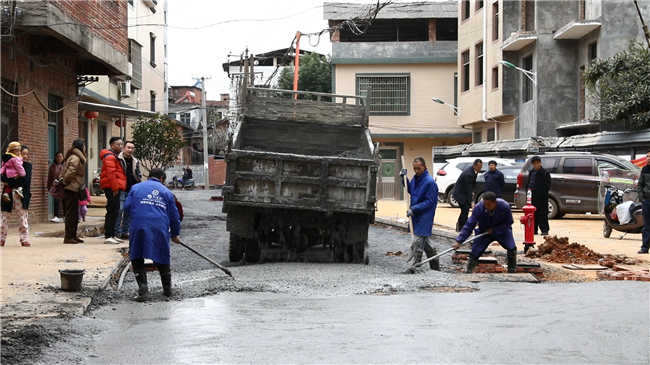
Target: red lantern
[
  {"x": 122, "y": 124},
  {"x": 91, "y": 114}
]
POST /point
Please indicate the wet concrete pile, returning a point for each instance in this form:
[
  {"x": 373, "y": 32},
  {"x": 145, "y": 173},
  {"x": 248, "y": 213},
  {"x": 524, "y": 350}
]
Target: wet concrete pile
[
  {"x": 560, "y": 250},
  {"x": 23, "y": 344}
]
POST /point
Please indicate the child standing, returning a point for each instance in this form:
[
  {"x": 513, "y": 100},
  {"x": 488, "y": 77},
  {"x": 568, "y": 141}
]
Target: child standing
[
  {"x": 83, "y": 205},
  {"x": 12, "y": 167}
]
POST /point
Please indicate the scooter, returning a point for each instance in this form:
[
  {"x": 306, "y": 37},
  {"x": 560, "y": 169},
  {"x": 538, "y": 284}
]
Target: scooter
[{"x": 613, "y": 198}]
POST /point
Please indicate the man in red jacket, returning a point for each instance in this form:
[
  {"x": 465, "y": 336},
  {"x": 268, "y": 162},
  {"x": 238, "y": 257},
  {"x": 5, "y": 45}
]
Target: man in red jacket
[{"x": 113, "y": 182}]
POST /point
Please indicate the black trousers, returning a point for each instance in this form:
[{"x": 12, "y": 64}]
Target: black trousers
[
  {"x": 71, "y": 206},
  {"x": 138, "y": 264},
  {"x": 112, "y": 210},
  {"x": 464, "y": 214},
  {"x": 541, "y": 221}
]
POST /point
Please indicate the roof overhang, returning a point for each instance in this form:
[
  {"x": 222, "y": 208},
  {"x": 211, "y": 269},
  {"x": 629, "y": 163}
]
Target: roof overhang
[
  {"x": 518, "y": 41},
  {"x": 111, "y": 109},
  {"x": 576, "y": 29}
]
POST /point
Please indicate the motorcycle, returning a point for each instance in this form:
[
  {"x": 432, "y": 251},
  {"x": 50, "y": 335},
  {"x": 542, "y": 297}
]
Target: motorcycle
[
  {"x": 622, "y": 200},
  {"x": 96, "y": 190},
  {"x": 178, "y": 183}
]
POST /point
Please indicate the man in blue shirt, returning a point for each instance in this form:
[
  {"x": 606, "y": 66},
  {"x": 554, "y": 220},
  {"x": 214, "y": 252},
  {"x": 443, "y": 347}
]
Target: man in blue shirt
[
  {"x": 493, "y": 215},
  {"x": 424, "y": 199},
  {"x": 154, "y": 218},
  {"x": 494, "y": 180}
]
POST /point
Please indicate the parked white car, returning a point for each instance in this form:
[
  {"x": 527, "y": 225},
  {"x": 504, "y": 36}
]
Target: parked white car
[{"x": 447, "y": 175}]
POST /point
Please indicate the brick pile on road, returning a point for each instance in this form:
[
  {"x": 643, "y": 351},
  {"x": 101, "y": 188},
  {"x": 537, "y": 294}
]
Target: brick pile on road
[
  {"x": 488, "y": 264},
  {"x": 559, "y": 250},
  {"x": 623, "y": 273},
  {"x": 613, "y": 260}
]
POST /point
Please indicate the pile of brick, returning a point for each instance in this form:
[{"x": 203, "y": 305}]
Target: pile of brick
[
  {"x": 623, "y": 273},
  {"x": 461, "y": 256},
  {"x": 488, "y": 264}
]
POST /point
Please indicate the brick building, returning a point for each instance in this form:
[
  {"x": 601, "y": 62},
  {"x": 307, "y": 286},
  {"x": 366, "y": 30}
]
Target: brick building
[{"x": 47, "y": 49}]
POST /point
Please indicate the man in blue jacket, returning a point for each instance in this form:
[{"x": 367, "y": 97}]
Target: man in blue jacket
[
  {"x": 424, "y": 199},
  {"x": 154, "y": 216},
  {"x": 493, "y": 215},
  {"x": 494, "y": 180}
]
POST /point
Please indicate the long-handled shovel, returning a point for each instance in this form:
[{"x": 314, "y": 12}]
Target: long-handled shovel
[
  {"x": 408, "y": 206},
  {"x": 224, "y": 269},
  {"x": 411, "y": 270}
]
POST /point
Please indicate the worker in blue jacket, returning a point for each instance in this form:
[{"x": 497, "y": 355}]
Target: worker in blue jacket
[
  {"x": 154, "y": 218},
  {"x": 493, "y": 215},
  {"x": 424, "y": 199},
  {"x": 494, "y": 180}
]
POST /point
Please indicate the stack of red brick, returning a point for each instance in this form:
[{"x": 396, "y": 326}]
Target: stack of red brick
[
  {"x": 624, "y": 273},
  {"x": 488, "y": 264}
]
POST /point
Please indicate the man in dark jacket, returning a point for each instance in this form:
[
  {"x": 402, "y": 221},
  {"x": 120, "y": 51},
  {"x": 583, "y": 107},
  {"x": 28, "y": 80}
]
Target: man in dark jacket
[
  {"x": 539, "y": 183},
  {"x": 154, "y": 218},
  {"x": 494, "y": 180},
  {"x": 493, "y": 216},
  {"x": 131, "y": 167},
  {"x": 424, "y": 200},
  {"x": 463, "y": 191},
  {"x": 643, "y": 188}
]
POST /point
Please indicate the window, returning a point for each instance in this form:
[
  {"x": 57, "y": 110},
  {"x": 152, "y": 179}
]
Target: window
[
  {"x": 153, "y": 100},
  {"x": 495, "y": 77},
  {"x": 479, "y": 5},
  {"x": 577, "y": 166},
  {"x": 495, "y": 21},
  {"x": 135, "y": 57},
  {"x": 491, "y": 134},
  {"x": 593, "y": 51},
  {"x": 389, "y": 94},
  {"x": 185, "y": 118},
  {"x": 131, "y": 3},
  {"x": 456, "y": 92},
  {"x": 54, "y": 103},
  {"x": 465, "y": 75},
  {"x": 479, "y": 64},
  {"x": 465, "y": 9},
  {"x": 529, "y": 15},
  {"x": 152, "y": 50},
  {"x": 527, "y": 90},
  {"x": 477, "y": 137},
  {"x": 549, "y": 164}
]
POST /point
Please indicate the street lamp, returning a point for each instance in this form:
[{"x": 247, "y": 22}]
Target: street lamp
[
  {"x": 531, "y": 75},
  {"x": 439, "y": 101}
]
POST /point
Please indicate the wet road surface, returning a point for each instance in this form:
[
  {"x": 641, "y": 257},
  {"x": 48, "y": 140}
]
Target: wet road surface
[{"x": 605, "y": 322}]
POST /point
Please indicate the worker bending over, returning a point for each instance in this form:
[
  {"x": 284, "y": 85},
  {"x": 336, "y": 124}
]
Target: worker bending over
[{"x": 493, "y": 216}]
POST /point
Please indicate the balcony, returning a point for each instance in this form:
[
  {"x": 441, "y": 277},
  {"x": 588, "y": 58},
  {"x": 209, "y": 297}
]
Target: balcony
[
  {"x": 394, "y": 52},
  {"x": 576, "y": 29},
  {"x": 519, "y": 40}
]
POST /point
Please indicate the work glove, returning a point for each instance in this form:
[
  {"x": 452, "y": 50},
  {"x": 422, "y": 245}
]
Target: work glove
[
  {"x": 409, "y": 213},
  {"x": 403, "y": 172}
]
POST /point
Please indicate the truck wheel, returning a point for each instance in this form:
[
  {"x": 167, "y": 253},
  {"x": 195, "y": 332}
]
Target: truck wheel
[
  {"x": 252, "y": 250},
  {"x": 362, "y": 252},
  {"x": 236, "y": 249},
  {"x": 607, "y": 230},
  {"x": 451, "y": 200}
]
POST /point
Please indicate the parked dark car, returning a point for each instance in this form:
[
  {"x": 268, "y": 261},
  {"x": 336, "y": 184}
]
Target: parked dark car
[
  {"x": 575, "y": 181},
  {"x": 510, "y": 175}
]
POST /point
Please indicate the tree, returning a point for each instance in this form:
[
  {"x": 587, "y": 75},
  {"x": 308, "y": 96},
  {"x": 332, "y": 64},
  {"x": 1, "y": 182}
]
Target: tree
[
  {"x": 314, "y": 74},
  {"x": 620, "y": 86},
  {"x": 157, "y": 141}
]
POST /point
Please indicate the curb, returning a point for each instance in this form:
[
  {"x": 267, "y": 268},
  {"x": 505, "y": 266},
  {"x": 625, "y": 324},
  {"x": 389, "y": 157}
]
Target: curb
[{"x": 404, "y": 226}]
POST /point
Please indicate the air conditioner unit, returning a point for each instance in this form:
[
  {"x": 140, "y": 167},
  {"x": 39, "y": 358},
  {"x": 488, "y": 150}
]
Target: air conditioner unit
[
  {"x": 129, "y": 71},
  {"x": 125, "y": 89}
]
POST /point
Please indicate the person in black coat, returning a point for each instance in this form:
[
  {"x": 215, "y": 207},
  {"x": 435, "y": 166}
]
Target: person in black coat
[
  {"x": 463, "y": 191},
  {"x": 539, "y": 183},
  {"x": 21, "y": 206}
]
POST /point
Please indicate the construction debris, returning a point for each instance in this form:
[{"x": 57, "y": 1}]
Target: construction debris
[
  {"x": 559, "y": 250},
  {"x": 398, "y": 253},
  {"x": 623, "y": 273}
]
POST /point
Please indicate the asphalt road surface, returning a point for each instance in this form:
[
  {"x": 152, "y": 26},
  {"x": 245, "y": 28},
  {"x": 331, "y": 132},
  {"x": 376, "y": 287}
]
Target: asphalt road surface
[{"x": 312, "y": 312}]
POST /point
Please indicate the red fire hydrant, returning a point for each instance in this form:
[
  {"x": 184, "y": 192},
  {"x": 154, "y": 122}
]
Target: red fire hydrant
[{"x": 528, "y": 220}]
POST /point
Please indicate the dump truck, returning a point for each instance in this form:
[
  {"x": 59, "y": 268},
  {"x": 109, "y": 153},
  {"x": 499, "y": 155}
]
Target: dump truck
[{"x": 300, "y": 173}]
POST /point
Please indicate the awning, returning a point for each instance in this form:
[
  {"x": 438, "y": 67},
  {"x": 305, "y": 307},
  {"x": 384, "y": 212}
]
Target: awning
[
  {"x": 576, "y": 29},
  {"x": 519, "y": 40},
  {"x": 111, "y": 109}
]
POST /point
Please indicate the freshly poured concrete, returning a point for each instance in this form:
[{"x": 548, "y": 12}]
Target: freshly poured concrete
[{"x": 604, "y": 322}]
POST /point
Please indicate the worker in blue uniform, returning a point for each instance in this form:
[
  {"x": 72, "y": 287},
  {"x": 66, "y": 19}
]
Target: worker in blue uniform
[
  {"x": 424, "y": 200},
  {"x": 494, "y": 216}
]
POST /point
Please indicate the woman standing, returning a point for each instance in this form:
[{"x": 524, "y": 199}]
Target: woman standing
[
  {"x": 53, "y": 174},
  {"x": 73, "y": 180},
  {"x": 19, "y": 205}
]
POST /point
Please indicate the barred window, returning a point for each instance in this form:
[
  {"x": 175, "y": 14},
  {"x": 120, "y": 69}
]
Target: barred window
[{"x": 389, "y": 94}]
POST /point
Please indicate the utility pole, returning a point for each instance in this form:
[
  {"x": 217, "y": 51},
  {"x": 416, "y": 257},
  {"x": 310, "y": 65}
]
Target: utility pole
[
  {"x": 646, "y": 31},
  {"x": 206, "y": 170}
]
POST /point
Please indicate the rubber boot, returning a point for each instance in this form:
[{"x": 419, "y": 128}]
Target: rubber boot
[
  {"x": 512, "y": 261},
  {"x": 417, "y": 257},
  {"x": 471, "y": 264},
  {"x": 433, "y": 264},
  {"x": 166, "y": 279},
  {"x": 143, "y": 289}
]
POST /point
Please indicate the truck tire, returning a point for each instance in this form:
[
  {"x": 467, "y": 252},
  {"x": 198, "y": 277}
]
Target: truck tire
[
  {"x": 252, "y": 250},
  {"x": 236, "y": 249}
]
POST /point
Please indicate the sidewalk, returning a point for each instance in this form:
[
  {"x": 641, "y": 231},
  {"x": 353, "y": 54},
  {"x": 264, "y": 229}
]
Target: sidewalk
[{"x": 31, "y": 283}]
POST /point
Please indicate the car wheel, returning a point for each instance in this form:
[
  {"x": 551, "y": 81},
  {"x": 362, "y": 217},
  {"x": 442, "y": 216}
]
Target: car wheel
[
  {"x": 607, "y": 230},
  {"x": 450, "y": 198},
  {"x": 552, "y": 209},
  {"x": 480, "y": 197}
]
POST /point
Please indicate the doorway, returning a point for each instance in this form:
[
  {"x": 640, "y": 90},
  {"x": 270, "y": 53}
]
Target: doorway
[{"x": 389, "y": 186}]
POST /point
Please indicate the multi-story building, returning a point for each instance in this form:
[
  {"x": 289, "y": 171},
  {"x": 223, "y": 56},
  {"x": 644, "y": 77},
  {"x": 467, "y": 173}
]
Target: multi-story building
[
  {"x": 551, "y": 42},
  {"x": 405, "y": 57},
  {"x": 50, "y": 49}
]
